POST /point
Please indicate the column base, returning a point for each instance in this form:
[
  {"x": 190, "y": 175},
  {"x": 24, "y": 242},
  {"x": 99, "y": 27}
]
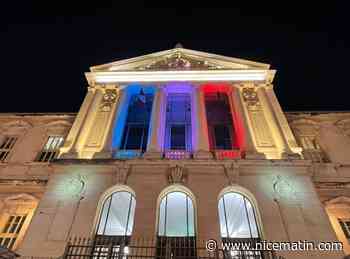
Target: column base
[
  {"x": 69, "y": 155},
  {"x": 102, "y": 155},
  {"x": 202, "y": 154},
  {"x": 153, "y": 155},
  {"x": 254, "y": 155},
  {"x": 290, "y": 155}
]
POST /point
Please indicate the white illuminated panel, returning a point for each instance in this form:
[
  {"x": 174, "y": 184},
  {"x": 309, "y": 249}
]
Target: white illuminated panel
[{"x": 177, "y": 76}]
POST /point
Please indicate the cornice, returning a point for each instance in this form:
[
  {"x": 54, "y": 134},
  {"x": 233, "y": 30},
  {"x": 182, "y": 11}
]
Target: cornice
[{"x": 256, "y": 75}]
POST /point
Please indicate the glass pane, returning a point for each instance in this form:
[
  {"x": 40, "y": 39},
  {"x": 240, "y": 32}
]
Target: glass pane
[
  {"x": 178, "y": 122},
  {"x": 222, "y": 218},
  {"x": 176, "y": 224},
  {"x": 222, "y": 137},
  {"x": 178, "y": 137},
  {"x": 191, "y": 229},
  {"x": 237, "y": 221},
  {"x": 252, "y": 219},
  {"x": 134, "y": 137},
  {"x": 118, "y": 214},
  {"x": 161, "y": 224},
  {"x": 103, "y": 216},
  {"x": 131, "y": 216}
]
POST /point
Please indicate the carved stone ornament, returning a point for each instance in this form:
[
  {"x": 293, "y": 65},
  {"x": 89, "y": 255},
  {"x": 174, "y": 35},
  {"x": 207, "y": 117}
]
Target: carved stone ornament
[
  {"x": 122, "y": 174},
  {"x": 72, "y": 186},
  {"x": 109, "y": 98},
  {"x": 177, "y": 174},
  {"x": 232, "y": 173},
  {"x": 179, "y": 61},
  {"x": 283, "y": 189},
  {"x": 250, "y": 96}
]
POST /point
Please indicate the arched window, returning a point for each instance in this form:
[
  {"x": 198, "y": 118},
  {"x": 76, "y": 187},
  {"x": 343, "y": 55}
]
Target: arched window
[
  {"x": 117, "y": 215},
  {"x": 237, "y": 217},
  {"x": 176, "y": 226},
  {"x": 176, "y": 216}
]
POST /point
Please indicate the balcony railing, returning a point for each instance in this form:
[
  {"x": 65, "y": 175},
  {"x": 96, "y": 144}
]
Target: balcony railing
[
  {"x": 227, "y": 154},
  {"x": 158, "y": 248},
  {"x": 177, "y": 154}
]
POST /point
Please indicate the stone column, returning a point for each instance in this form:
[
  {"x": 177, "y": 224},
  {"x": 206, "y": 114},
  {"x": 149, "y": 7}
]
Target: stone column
[
  {"x": 69, "y": 149},
  {"x": 201, "y": 138},
  {"x": 154, "y": 145},
  {"x": 277, "y": 133},
  {"x": 244, "y": 127}
]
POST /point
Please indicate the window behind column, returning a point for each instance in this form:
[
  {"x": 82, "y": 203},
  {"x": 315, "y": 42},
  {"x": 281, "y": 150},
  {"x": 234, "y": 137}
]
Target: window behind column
[
  {"x": 136, "y": 128},
  {"x": 219, "y": 118},
  {"x": 178, "y": 122}
]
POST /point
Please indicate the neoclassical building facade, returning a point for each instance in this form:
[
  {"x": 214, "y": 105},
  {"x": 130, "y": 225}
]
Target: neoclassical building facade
[{"x": 175, "y": 145}]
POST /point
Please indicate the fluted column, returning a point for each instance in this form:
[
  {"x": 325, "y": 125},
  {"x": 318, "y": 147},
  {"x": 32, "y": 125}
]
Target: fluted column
[
  {"x": 154, "y": 145},
  {"x": 243, "y": 126},
  {"x": 201, "y": 138},
  {"x": 70, "y": 147}
]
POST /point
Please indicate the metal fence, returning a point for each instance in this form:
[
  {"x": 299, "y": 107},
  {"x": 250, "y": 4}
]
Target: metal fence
[{"x": 159, "y": 248}]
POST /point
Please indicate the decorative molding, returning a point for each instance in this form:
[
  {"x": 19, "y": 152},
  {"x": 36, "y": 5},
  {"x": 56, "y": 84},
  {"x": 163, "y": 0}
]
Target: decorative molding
[
  {"x": 73, "y": 186},
  {"x": 22, "y": 198},
  {"x": 179, "y": 61},
  {"x": 23, "y": 182},
  {"x": 232, "y": 173},
  {"x": 338, "y": 201},
  {"x": 110, "y": 97},
  {"x": 250, "y": 96},
  {"x": 282, "y": 188},
  {"x": 177, "y": 174},
  {"x": 122, "y": 174}
]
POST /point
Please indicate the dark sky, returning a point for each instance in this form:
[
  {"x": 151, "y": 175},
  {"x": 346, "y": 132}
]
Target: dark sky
[{"x": 45, "y": 49}]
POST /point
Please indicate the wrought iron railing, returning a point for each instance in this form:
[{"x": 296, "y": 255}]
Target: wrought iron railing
[{"x": 158, "y": 248}]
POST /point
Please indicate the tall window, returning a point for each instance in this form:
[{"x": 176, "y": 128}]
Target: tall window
[
  {"x": 51, "y": 148},
  {"x": 178, "y": 122},
  {"x": 176, "y": 215},
  {"x": 237, "y": 217},
  {"x": 176, "y": 231},
  {"x": 219, "y": 118},
  {"x": 10, "y": 232},
  {"x": 137, "y": 123},
  {"x": 345, "y": 225},
  {"x": 6, "y": 147},
  {"x": 117, "y": 215}
]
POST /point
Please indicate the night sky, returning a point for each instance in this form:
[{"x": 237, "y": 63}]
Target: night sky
[{"x": 45, "y": 49}]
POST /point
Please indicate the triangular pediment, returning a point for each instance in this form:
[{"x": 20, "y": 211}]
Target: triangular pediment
[{"x": 179, "y": 59}]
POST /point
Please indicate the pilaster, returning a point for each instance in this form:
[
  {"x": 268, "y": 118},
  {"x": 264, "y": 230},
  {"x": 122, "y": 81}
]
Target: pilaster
[
  {"x": 244, "y": 125},
  {"x": 100, "y": 123}
]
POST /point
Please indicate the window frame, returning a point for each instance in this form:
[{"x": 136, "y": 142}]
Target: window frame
[
  {"x": 5, "y": 152},
  {"x": 47, "y": 155}
]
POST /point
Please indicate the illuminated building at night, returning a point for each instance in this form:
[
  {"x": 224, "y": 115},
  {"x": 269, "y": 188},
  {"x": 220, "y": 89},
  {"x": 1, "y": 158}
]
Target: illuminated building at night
[{"x": 175, "y": 145}]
